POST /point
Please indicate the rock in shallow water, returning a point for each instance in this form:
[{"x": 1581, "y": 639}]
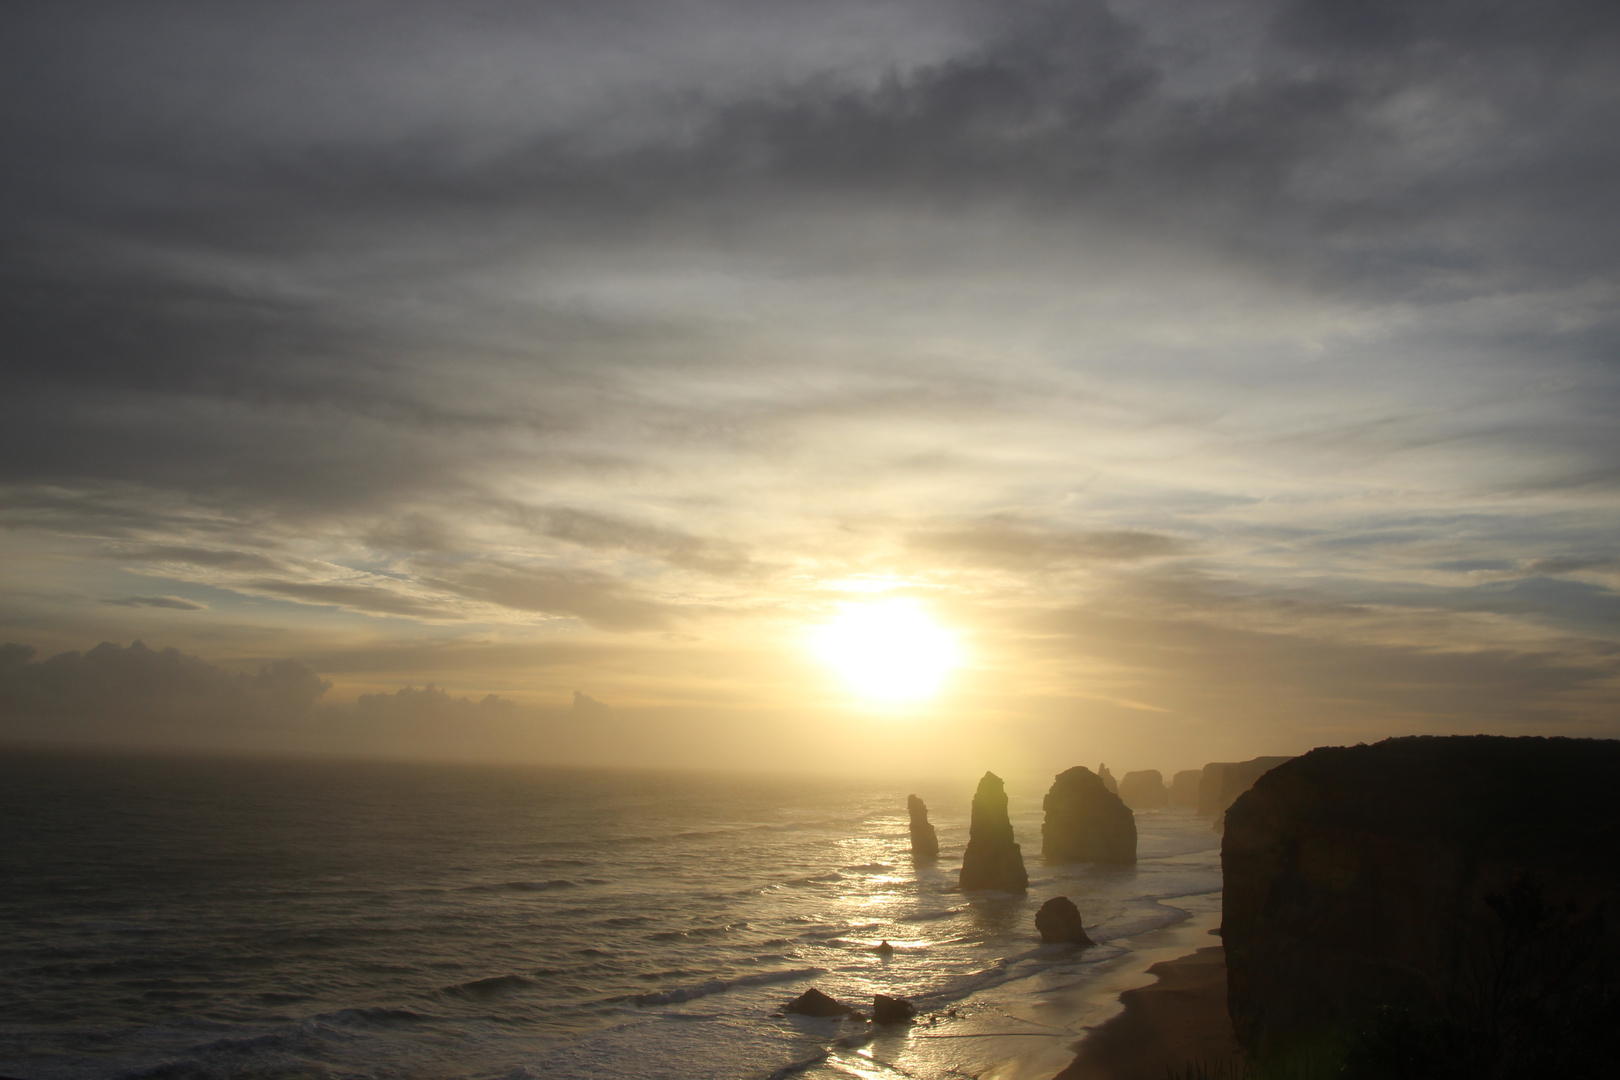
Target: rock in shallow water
[
  {"x": 992, "y": 860},
  {"x": 1059, "y": 922},
  {"x": 1085, "y": 822},
  {"x": 892, "y": 1010},
  {"x": 814, "y": 1003}
]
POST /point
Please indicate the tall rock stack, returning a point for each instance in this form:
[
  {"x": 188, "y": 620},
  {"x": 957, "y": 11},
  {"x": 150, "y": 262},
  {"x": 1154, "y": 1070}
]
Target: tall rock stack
[
  {"x": 924, "y": 840},
  {"x": 1144, "y": 790},
  {"x": 1085, "y": 822},
  {"x": 1184, "y": 788},
  {"x": 1107, "y": 779},
  {"x": 992, "y": 860}
]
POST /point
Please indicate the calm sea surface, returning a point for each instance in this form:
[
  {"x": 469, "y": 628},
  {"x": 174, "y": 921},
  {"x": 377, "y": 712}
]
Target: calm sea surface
[{"x": 206, "y": 918}]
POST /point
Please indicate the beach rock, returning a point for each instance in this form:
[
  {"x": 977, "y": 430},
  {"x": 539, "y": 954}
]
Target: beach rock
[
  {"x": 1184, "y": 788},
  {"x": 992, "y": 860},
  {"x": 814, "y": 1003},
  {"x": 1399, "y": 874},
  {"x": 1223, "y": 781},
  {"x": 1059, "y": 921},
  {"x": 1107, "y": 779},
  {"x": 1085, "y": 822},
  {"x": 1144, "y": 790},
  {"x": 892, "y": 1010},
  {"x": 924, "y": 840}
]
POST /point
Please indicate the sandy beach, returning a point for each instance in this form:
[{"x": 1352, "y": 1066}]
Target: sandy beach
[{"x": 1178, "y": 1019}]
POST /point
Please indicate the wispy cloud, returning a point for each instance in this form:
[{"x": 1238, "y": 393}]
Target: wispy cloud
[{"x": 561, "y": 334}]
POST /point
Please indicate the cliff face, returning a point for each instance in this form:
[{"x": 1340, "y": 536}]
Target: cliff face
[
  {"x": 1085, "y": 822},
  {"x": 1223, "y": 781},
  {"x": 1144, "y": 790},
  {"x": 924, "y": 840},
  {"x": 992, "y": 860},
  {"x": 1184, "y": 788},
  {"x": 1357, "y": 877}
]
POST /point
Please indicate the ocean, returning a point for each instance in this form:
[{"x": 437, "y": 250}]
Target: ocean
[{"x": 190, "y": 917}]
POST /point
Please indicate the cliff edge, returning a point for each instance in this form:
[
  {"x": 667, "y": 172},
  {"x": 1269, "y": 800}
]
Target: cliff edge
[{"x": 1410, "y": 873}]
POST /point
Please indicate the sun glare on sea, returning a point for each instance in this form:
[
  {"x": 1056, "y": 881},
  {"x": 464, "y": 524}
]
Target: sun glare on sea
[{"x": 888, "y": 651}]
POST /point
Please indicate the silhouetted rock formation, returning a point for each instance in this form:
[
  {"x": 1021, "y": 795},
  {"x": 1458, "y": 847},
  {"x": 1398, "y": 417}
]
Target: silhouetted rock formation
[
  {"x": 814, "y": 1003},
  {"x": 924, "y": 840},
  {"x": 1184, "y": 788},
  {"x": 992, "y": 860},
  {"x": 1085, "y": 822},
  {"x": 1224, "y": 781},
  {"x": 1107, "y": 779},
  {"x": 1059, "y": 921},
  {"x": 1360, "y": 877},
  {"x": 1144, "y": 790},
  {"x": 892, "y": 1010}
]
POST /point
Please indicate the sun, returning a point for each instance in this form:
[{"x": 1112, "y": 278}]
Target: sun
[{"x": 888, "y": 651}]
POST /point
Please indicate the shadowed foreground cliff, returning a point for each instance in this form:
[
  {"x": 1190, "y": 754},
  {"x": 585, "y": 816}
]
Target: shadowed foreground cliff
[{"x": 1457, "y": 884}]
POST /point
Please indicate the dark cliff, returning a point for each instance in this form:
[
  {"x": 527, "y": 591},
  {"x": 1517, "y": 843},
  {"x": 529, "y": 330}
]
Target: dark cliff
[
  {"x": 1085, "y": 822},
  {"x": 1399, "y": 875},
  {"x": 992, "y": 860}
]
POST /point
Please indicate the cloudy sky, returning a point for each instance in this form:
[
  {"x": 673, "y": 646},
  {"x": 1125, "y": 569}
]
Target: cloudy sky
[{"x": 1233, "y": 376}]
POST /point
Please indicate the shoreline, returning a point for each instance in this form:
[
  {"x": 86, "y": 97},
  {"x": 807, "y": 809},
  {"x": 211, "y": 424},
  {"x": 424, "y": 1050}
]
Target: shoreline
[
  {"x": 1076, "y": 1012},
  {"x": 1175, "y": 1021}
]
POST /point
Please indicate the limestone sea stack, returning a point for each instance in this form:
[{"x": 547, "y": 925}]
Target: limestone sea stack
[
  {"x": 1184, "y": 788},
  {"x": 1107, "y": 779},
  {"x": 1407, "y": 873},
  {"x": 1224, "y": 781},
  {"x": 924, "y": 840},
  {"x": 992, "y": 860},
  {"x": 1085, "y": 822},
  {"x": 1144, "y": 790}
]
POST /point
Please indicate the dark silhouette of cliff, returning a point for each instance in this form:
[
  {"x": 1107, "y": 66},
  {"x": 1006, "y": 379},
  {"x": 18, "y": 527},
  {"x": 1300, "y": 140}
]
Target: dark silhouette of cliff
[
  {"x": 1450, "y": 903},
  {"x": 992, "y": 860}
]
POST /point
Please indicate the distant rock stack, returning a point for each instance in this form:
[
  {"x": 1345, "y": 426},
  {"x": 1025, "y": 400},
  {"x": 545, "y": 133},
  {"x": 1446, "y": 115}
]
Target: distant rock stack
[
  {"x": 924, "y": 840},
  {"x": 1223, "y": 781},
  {"x": 1107, "y": 779},
  {"x": 1144, "y": 790},
  {"x": 992, "y": 860},
  {"x": 1184, "y": 788},
  {"x": 1085, "y": 822}
]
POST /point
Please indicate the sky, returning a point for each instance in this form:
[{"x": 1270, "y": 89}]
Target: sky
[{"x": 529, "y": 381}]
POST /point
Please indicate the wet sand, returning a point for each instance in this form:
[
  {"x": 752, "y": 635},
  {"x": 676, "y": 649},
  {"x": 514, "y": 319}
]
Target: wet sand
[{"x": 1166, "y": 1025}]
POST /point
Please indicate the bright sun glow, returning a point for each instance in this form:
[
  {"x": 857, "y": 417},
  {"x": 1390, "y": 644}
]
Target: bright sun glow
[{"x": 888, "y": 651}]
